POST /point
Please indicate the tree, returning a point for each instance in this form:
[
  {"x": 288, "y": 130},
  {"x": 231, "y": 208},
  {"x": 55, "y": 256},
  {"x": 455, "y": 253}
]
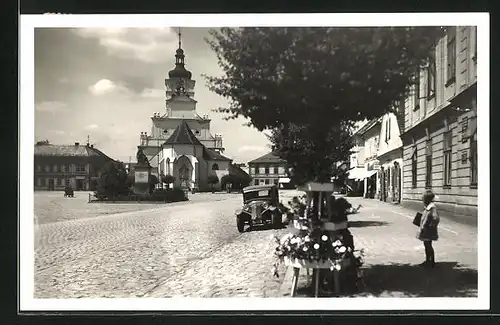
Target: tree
[
  {"x": 309, "y": 85},
  {"x": 168, "y": 179},
  {"x": 112, "y": 180},
  {"x": 212, "y": 180}
]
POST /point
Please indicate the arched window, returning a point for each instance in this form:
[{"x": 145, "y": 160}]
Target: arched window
[
  {"x": 168, "y": 166},
  {"x": 215, "y": 167}
]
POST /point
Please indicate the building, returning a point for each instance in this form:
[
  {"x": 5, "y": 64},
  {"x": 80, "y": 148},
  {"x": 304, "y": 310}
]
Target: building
[
  {"x": 58, "y": 166},
  {"x": 269, "y": 169},
  {"x": 390, "y": 157},
  {"x": 180, "y": 143},
  {"x": 440, "y": 138}
]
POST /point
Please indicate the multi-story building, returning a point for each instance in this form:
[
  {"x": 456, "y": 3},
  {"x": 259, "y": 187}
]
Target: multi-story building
[
  {"x": 181, "y": 143},
  {"x": 440, "y": 138},
  {"x": 367, "y": 140},
  {"x": 58, "y": 166},
  {"x": 390, "y": 156},
  {"x": 269, "y": 169}
]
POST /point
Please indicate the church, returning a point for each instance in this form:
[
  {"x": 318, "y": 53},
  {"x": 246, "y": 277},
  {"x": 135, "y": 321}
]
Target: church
[{"x": 180, "y": 143}]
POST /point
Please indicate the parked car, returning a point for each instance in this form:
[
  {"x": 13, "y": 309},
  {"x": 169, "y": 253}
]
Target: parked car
[{"x": 260, "y": 207}]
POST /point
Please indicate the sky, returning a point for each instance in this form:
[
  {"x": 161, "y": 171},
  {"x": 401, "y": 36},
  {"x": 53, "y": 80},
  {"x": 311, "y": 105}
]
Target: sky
[{"x": 106, "y": 84}]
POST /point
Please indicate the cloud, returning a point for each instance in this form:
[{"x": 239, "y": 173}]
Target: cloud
[
  {"x": 253, "y": 149},
  {"x": 91, "y": 127},
  {"x": 51, "y": 106},
  {"x": 57, "y": 132},
  {"x": 106, "y": 86},
  {"x": 153, "y": 93},
  {"x": 102, "y": 87},
  {"x": 145, "y": 44}
]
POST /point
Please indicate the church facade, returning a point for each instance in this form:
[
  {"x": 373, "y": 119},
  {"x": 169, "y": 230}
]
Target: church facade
[{"x": 180, "y": 143}]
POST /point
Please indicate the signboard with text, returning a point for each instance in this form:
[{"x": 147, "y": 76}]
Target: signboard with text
[{"x": 141, "y": 176}]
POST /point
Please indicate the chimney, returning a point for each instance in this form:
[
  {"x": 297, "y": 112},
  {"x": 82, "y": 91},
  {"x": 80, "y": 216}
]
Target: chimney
[{"x": 77, "y": 144}]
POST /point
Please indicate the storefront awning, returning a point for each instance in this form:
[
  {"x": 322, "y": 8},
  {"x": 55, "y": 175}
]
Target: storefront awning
[
  {"x": 360, "y": 173},
  {"x": 284, "y": 180}
]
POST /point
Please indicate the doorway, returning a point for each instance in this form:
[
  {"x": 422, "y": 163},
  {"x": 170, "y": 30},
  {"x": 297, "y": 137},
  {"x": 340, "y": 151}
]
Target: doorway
[{"x": 51, "y": 184}]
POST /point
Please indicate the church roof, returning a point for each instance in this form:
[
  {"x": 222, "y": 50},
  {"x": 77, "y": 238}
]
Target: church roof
[
  {"x": 183, "y": 135},
  {"x": 268, "y": 158},
  {"x": 209, "y": 154}
]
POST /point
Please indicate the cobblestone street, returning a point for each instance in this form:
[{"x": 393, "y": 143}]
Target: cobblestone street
[
  {"x": 194, "y": 249},
  {"x": 189, "y": 248}
]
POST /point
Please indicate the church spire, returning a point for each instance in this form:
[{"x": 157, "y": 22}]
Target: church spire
[
  {"x": 179, "y": 33},
  {"x": 179, "y": 71}
]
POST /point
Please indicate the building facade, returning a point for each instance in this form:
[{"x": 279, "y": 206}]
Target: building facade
[
  {"x": 390, "y": 158},
  {"x": 180, "y": 107},
  {"x": 181, "y": 143},
  {"x": 269, "y": 169},
  {"x": 440, "y": 138},
  {"x": 58, "y": 166}
]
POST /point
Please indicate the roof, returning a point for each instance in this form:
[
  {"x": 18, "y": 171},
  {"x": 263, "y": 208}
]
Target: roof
[
  {"x": 182, "y": 135},
  {"x": 237, "y": 170},
  {"x": 268, "y": 158},
  {"x": 368, "y": 126},
  {"x": 67, "y": 150},
  {"x": 209, "y": 154},
  {"x": 257, "y": 187}
]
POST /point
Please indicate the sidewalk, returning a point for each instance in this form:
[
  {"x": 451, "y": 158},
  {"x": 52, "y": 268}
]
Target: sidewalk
[{"x": 393, "y": 252}]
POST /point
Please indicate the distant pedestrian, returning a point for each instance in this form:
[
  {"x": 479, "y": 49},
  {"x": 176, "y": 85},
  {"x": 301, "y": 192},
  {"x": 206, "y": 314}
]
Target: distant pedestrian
[{"x": 428, "y": 230}]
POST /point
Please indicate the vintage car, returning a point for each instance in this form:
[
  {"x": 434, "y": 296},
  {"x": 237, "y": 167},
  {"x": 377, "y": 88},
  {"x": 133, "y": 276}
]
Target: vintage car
[{"x": 260, "y": 206}]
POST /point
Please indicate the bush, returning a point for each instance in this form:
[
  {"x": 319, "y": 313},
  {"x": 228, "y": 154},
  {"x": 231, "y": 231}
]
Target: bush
[
  {"x": 174, "y": 195},
  {"x": 168, "y": 179},
  {"x": 212, "y": 180}
]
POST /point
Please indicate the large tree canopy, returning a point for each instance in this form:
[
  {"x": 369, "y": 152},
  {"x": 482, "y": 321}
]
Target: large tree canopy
[{"x": 309, "y": 85}]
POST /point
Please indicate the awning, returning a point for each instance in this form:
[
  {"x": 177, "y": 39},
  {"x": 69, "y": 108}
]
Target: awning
[
  {"x": 284, "y": 180},
  {"x": 360, "y": 173}
]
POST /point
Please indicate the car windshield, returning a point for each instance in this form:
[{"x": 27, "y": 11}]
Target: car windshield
[{"x": 262, "y": 194}]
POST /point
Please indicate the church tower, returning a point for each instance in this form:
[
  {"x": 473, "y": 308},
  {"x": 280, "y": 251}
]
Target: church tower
[{"x": 180, "y": 107}]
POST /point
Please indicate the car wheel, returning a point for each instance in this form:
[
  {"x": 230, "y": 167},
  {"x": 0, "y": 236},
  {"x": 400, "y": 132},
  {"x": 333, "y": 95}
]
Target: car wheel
[{"x": 240, "y": 223}]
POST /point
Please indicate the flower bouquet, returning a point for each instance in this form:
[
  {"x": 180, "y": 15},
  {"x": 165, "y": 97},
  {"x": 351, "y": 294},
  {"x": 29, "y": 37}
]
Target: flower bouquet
[{"x": 314, "y": 249}]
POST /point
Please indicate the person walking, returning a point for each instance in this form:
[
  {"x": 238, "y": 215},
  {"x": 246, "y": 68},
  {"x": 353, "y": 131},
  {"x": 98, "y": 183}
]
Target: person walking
[{"x": 428, "y": 230}]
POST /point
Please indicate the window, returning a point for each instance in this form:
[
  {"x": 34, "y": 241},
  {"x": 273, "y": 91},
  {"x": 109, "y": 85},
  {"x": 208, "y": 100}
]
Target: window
[
  {"x": 414, "y": 169},
  {"x": 451, "y": 56},
  {"x": 79, "y": 168},
  {"x": 475, "y": 45},
  {"x": 416, "y": 93},
  {"x": 215, "y": 167},
  {"x": 276, "y": 170},
  {"x": 64, "y": 168},
  {"x": 266, "y": 181},
  {"x": 54, "y": 168},
  {"x": 447, "y": 150},
  {"x": 168, "y": 166},
  {"x": 256, "y": 182},
  {"x": 275, "y": 181},
  {"x": 428, "y": 164},
  {"x": 473, "y": 160},
  {"x": 266, "y": 171},
  {"x": 59, "y": 181},
  {"x": 42, "y": 181},
  {"x": 47, "y": 168},
  {"x": 38, "y": 168},
  {"x": 256, "y": 170},
  {"x": 66, "y": 182},
  {"x": 431, "y": 76},
  {"x": 388, "y": 129}
]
